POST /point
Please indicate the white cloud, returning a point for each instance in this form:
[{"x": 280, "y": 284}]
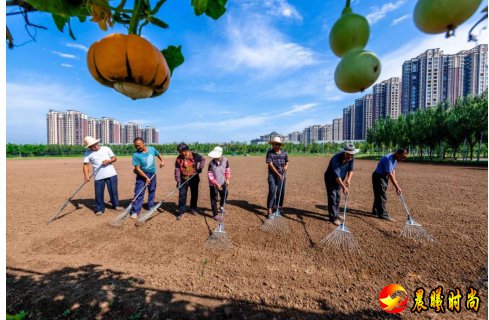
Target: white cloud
[
  {"x": 400, "y": 19},
  {"x": 64, "y": 55},
  {"x": 392, "y": 61},
  {"x": 77, "y": 46},
  {"x": 282, "y": 8},
  {"x": 66, "y": 65},
  {"x": 298, "y": 108},
  {"x": 377, "y": 14},
  {"x": 261, "y": 48}
]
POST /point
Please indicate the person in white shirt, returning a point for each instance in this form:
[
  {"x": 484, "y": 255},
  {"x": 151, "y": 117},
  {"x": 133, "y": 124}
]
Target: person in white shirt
[{"x": 101, "y": 159}]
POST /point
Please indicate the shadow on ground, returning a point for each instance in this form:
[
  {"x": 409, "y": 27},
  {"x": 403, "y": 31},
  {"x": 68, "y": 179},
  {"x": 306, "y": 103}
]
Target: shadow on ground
[{"x": 92, "y": 292}]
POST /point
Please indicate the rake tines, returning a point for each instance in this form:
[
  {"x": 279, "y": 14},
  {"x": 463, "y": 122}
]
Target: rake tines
[
  {"x": 218, "y": 240},
  {"x": 276, "y": 224},
  {"x": 412, "y": 229},
  {"x": 341, "y": 238},
  {"x": 121, "y": 217},
  {"x": 148, "y": 214}
]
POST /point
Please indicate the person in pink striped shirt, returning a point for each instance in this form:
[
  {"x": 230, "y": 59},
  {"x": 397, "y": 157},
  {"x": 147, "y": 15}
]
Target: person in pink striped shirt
[{"x": 219, "y": 174}]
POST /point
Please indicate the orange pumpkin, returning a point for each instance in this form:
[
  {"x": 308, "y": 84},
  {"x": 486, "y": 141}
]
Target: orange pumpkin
[{"x": 129, "y": 64}]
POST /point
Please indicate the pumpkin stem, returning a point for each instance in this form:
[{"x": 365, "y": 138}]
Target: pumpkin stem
[{"x": 136, "y": 13}]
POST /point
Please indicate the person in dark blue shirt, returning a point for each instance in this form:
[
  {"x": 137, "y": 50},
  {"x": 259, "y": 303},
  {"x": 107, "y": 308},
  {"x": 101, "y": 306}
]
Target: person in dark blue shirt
[
  {"x": 338, "y": 178},
  {"x": 386, "y": 169}
]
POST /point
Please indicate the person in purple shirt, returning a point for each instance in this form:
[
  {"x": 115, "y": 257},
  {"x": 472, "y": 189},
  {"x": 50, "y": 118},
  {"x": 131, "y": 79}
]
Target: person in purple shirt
[
  {"x": 386, "y": 169},
  {"x": 337, "y": 178},
  {"x": 278, "y": 163}
]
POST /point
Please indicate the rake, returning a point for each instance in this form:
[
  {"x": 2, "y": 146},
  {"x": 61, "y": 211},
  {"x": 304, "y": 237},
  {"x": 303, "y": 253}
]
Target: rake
[
  {"x": 411, "y": 228},
  {"x": 276, "y": 223},
  {"x": 119, "y": 220},
  {"x": 341, "y": 237},
  {"x": 54, "y": 217},
  {"x": 219, "y": 240},
  {"x": 147, "y": 215}
]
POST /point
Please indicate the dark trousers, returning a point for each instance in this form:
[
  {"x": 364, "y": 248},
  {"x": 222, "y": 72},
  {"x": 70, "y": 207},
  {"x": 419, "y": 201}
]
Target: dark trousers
[
  {"x": 276, "y": 189},
  {"x": 333, "y": 189},
  {"x": 141, "y": 184},
  {"x": 193, "y": 184},
  {"x": 215, "y": 194},
  {"x": 99, "y": 192},
  {"x": 380, "y": 183}
]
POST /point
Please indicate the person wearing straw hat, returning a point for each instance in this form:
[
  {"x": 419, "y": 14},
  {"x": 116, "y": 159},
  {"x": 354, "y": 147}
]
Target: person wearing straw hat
[
  {"x": 278, "y": 163},
  {"x": 188, "y": 165},
  {"x": 337, "y": 178},
  {"x": 143, "y": 161},
  {"x": 101, "y": 157},
  {"x": 219, "y": 174},
  {"x": 385, "y": 170}
]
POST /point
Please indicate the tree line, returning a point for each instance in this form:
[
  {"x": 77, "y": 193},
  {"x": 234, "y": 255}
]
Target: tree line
[{"x": 440, "y": 131}]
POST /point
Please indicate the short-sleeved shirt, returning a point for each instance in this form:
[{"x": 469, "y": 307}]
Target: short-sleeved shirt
[
  {"x": 386, "y": 165},
  {"x": 95, "y": 158},
  {"x": 338, "y": 169},
  {"x": 145, "y": 160},
  {"x": 279, "y": 160}
]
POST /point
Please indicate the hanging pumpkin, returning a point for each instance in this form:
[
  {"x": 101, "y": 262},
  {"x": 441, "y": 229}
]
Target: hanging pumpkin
[{"x": 129, "y": 64}]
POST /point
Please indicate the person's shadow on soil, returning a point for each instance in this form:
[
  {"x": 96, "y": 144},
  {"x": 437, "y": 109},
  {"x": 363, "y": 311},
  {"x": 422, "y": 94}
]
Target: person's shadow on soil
[
  {"x": 93, "y": 292},
  {"x": 259, "y": 211}
]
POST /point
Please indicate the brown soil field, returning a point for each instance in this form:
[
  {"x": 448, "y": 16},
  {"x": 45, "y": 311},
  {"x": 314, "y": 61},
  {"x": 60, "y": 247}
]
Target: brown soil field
[{"x": 80, "y": 267}]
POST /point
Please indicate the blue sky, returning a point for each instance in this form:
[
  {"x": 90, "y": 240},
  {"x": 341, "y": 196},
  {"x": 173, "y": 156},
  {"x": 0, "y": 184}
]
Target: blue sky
[{"x": 264, "y": 66}]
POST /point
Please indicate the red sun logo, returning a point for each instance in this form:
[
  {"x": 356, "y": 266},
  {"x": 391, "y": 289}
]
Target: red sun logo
[{"x": 391, "y": 303}]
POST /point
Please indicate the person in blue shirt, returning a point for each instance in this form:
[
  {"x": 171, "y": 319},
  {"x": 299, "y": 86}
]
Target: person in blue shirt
[
  {"x": 386, "y": 169},
  {"x": 143, "y": 161},
  {"x": 338, "y": 178}
]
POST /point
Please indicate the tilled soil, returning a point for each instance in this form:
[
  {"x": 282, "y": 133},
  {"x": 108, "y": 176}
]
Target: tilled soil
[{"x": 80, "y": 267}]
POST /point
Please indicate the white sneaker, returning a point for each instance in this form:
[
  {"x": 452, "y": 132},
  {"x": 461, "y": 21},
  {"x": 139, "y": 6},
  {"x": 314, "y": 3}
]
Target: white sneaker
[
  {"x": 134, "y": 216},
  {"x": 99, "y": 213}
]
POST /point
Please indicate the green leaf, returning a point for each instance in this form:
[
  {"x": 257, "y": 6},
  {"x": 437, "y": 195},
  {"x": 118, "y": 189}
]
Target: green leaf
[
  {"x": 216, "y": 8},
  {"x": 60, "y": 21},
  {"x": 71, "y": 31},
  {"x": 200, "y": 6},
  {"x": 173, "y": 56},
  {"x": 158, "y": 22}
]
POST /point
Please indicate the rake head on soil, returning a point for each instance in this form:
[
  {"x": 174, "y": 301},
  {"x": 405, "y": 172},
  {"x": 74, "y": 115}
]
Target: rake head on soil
[
  {"x": 218, "y": 240},
  {"x": 121, "y": 217},
  {"x": 342, "y": 239},
  {"x": 148, "y": 214},
  {"x": 415, "y": 231},
  {"x": 276, "y": 224}
]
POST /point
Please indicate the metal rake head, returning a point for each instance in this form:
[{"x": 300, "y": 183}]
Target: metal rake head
[
  {"x": 341, "y": 238},
  {"x": 218, "y": 241},
  {"x": 276, "y": 224},
  {"x": 119, "y": 220},
  {"x": 415, "y": 231}
]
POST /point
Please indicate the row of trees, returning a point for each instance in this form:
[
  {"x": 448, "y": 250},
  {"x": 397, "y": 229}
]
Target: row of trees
[
  {"x": 437, "y": 131},
  {"x": 235, "y": 148}
]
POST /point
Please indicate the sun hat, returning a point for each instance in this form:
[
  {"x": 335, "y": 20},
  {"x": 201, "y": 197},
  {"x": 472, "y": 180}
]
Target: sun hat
[
  {"x": 276, "y": 140},
  {"x": 90, "y": 141},
  {"x": 348, "y": 147},
  {"x": 216, "y": 153}
]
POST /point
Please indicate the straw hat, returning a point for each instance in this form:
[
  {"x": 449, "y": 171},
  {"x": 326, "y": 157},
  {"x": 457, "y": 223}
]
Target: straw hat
[
  {"x": 216, "y": 153},
  {"x": 276, "y": 140},
  {"x": 348, "y": 147},
  {"x": 90, "y": 141}
]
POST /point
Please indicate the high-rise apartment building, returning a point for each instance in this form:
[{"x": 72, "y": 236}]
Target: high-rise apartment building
[
  {"x": 72, "y": 126},
  {"x": 294, "y": 137},
  {"x": 386, "y": 99},
  {"x": 348, "y": 117},
  {"x": 326, "y": 133},
  {"x": 367, "y": 101},
  {"x": 338, "y": 129},
  {"x": 311, "y": 134},
  {"x": 433, "y": 77}
]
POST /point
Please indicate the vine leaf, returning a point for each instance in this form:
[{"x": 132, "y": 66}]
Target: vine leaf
[{"x": 173, "y": 56}]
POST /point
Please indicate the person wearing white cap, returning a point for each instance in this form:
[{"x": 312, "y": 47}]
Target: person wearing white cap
[
  {"x": 278, "y": 163},
  {"x": 338, "y": 177},
  {"x": 101, "y": 157},
  {"x": 219, "y": 174}
]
